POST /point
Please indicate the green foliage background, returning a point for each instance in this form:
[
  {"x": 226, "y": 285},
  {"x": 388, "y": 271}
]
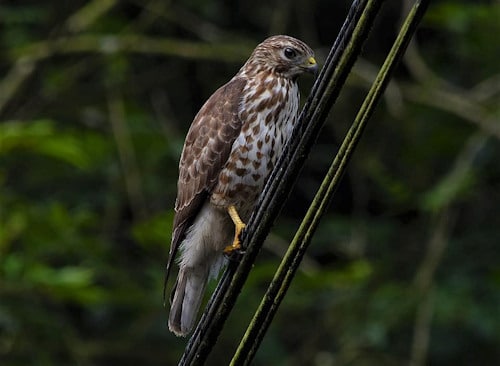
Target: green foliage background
[{"x": 95, "y": 100}]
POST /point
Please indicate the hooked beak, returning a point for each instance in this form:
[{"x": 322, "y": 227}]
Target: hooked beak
[{"x": 311, "y": 66}]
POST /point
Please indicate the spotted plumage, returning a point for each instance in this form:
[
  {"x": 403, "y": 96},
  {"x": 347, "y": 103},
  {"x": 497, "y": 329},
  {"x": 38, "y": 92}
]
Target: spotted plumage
[{"x": 230, "y": 149}]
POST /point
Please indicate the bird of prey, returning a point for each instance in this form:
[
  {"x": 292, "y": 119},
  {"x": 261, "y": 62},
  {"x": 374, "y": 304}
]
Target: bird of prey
[{"x": 230, "y": 150}]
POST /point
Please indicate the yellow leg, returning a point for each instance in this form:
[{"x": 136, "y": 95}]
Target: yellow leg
[{"x": 239, "y": 225}]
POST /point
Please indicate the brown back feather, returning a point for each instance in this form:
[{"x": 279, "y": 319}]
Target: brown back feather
[{"x": 206, "y": 150}]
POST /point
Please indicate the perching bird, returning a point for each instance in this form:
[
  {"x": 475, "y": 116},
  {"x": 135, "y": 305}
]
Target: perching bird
[{"x": 230, "y": 149}]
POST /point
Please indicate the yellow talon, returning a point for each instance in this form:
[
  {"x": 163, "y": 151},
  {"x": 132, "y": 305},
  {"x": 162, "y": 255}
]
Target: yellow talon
[{"x": 239, "y": 225}]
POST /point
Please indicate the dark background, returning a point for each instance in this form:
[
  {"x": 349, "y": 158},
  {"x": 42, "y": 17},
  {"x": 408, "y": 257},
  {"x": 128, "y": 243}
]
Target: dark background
[{"x": 95, "y": 101}]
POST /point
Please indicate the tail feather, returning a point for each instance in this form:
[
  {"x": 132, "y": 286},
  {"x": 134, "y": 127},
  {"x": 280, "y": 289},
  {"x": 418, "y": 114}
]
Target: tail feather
[{"x": 186, "y": 300}]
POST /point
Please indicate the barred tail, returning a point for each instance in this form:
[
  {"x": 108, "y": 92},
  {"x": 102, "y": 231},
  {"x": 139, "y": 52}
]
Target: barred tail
[{"x": 186, "y": 300}]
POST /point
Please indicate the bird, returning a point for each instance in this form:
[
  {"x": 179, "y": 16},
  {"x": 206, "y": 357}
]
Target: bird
[{"x": 230, "y": 149}]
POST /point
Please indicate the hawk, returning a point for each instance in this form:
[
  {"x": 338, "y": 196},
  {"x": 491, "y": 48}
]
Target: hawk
[{"x": 230, "y": 149}]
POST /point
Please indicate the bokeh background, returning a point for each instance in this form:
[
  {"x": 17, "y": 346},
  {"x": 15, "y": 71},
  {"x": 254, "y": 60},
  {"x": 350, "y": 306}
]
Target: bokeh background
[{"x": 95, "y": 100}]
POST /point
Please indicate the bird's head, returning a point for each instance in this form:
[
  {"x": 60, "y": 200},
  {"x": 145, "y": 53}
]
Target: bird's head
[{"x": 283, "y": 55}]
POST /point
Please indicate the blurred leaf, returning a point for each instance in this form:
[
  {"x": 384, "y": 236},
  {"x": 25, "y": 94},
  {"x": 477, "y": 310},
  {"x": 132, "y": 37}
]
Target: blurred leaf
[
  {"x": 460, "y": 16},
  {"x": 154, "y": 231},
  {"x": 11, "y": 226},
  {"x": 66, "y": 277},
  {"x": 23, "y": 14},
  {"x": 41, "y": 137},
  {"x": 461, "y": 177},
  {"x": 349, "y": 276},
  {"x": 12, "y": 266},
  {"x": 448, "y": 190},
  {"x": 66, "y": 283}
]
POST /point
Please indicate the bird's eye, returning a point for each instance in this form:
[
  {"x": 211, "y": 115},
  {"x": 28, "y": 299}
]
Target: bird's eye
[{"x": 290, "y": 53}]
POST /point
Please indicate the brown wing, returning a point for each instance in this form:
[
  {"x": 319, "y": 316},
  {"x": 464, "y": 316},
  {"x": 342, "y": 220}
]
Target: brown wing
[{"x": 206, "y": 150}]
